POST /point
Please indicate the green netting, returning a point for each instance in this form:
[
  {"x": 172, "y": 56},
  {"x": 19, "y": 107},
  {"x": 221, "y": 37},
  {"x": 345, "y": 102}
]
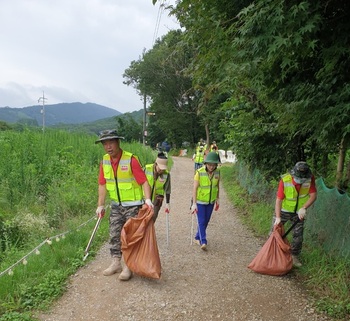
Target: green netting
[
  {"x": 328, "y": 221},
  {"x": 255, "y": 184}
]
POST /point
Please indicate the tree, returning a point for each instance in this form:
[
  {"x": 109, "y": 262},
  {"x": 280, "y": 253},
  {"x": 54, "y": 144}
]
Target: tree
[
  {"x": 129, "y": 128},
  {"x": 281, "y": 62},
  {"x": 159, "y": 74}
]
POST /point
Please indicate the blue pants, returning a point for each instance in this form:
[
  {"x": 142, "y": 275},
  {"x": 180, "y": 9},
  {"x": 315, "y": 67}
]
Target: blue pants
[
  {"x": 203, "y": 215},
  {"x": 197, "y": 166}
]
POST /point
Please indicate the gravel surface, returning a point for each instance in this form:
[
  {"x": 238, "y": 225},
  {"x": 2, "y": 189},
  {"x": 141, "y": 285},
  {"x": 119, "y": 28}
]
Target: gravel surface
[{"x": 195, "y": 284}]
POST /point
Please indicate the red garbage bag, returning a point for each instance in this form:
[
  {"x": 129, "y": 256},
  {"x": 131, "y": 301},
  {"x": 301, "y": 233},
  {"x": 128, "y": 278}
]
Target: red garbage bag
[
  {"x": 275, "y": 257},
  {"x": 139, "y": 245}
]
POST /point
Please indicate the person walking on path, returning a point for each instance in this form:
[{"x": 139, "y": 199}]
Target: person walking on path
[
  {"x": 296, "y": 193},
  {"x": 159, "y": 180},
  {"x": 120, "y": 170},
  {"x": 199, "y": 155},
  {"x": 205, "y": 196},
  {"x": 214, "y": 147}
]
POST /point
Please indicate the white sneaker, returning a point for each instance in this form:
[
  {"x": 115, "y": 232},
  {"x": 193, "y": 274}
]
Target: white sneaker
[{"x": 204, "y": 247}]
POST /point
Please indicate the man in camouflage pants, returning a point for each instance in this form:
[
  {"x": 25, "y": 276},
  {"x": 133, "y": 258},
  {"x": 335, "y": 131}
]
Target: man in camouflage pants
[
  {"x": 122, "y": 176},
  {"x": 296, "y": 192}
]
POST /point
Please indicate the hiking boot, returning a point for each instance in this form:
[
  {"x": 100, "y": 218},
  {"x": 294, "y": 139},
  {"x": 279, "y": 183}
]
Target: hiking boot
[
  {"x": 197, "y": 242},
  {"x": 114, "y": 267},
  {"x": 204, "y": 247},
  {"x": 296, "y": 261},
  {"x": 126, "y": 274}
]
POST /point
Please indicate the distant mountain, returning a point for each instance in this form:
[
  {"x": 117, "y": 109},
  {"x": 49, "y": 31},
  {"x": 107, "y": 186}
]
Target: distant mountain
[
  {"x": 101, "y": 124},
  {"x": 64, "y": 113}
]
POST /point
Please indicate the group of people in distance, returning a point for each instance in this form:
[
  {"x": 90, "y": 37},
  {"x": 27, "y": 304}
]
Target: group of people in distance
[
  {"x": 201, "y": 151},
  {"x": 130, "y": 186}
]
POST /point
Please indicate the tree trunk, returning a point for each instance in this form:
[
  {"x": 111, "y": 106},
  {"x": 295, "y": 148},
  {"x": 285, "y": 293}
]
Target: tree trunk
[
  {"x": 207, "y": 133},
  {"x": 340, "y": 166}
]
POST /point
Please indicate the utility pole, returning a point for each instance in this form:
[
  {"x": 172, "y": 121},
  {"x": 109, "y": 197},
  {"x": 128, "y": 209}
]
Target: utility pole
[
  {"x": 42, "y": 99},
  {"x": 144, "y": 120}
]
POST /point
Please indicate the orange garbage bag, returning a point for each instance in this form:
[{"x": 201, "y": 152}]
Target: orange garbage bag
[
  {"x": 139, "y": 245},
  {"x": 275, "y": 257}
]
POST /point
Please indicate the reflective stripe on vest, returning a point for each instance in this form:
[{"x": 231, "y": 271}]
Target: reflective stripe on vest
[
  {"x": 291, "y": 194},
  {"x": 207, "y": 191},
  {"x": 129, "y": 191}
]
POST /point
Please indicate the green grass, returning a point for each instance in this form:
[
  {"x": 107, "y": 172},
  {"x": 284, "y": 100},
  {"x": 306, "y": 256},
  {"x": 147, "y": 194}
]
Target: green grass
[
  {"x": 326, "y": 277},
  {"x": 48, "y": 187},
  {"x": 43, "y": 278}
]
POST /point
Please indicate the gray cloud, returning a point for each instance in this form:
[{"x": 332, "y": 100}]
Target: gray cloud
[{"x": 74, "y": 50}]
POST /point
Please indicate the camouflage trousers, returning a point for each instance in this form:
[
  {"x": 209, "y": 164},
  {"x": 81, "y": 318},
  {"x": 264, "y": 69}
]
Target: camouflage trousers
[
  {"x": 157, "y": 203},
  {"x": 298, "y": 231},
  {"x": 118, "y": 216}
]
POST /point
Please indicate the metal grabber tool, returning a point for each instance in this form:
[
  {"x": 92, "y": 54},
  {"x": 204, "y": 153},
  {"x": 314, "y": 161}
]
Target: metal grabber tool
[
  {"x": 192, "y": 223},
  {"x": 91, "y": 238},
  {"x": 167, "y": 228},
  {"x": 191, "y": 233}
]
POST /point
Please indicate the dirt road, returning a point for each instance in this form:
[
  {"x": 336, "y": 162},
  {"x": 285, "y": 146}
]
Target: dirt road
[{"x": 195, "y": 285}]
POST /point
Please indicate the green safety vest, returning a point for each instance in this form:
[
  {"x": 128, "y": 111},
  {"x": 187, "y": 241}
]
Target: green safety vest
[
  {"x": 291, "y": 194},
  {"x": 207, "y": 191},
  {"x": 158, "y": 188},
  {"x": 123, "y": 188}
]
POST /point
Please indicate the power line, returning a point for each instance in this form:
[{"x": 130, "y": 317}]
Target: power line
[{"x": 159, "y": 16}]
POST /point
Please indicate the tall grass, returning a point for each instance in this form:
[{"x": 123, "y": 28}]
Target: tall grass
[
  {"x": 325, "y": 276},
  {"x": 48, "y": 187}
]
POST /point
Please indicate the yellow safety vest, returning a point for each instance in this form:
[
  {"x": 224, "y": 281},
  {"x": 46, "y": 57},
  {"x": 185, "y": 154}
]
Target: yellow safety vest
[
  {"x": 200, "y": 154},
  {"x": 123, "y": 188},
  {"x": 207, "y": 191},
  {"x": 158, "y": 188},
  {"x": 291, "y": 194}
]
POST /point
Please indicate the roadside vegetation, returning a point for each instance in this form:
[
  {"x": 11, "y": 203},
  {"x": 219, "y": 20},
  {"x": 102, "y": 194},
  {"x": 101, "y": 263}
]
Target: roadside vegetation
[
  {"x": 326, "y": 276},
  {"x": 48, "y": 196}
]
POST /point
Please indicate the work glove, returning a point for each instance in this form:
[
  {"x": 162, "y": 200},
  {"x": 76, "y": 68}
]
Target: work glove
[
  {"x": 217, "y": 205},
  {"x": 100, "y": 211},
  {"x": 277, "y": 221},
  {"x": 302, "y": 213},
  {"x": 149, "y": 203},
  {"x": 194, "y": 208},
  {"x": 167, "y": 208}
]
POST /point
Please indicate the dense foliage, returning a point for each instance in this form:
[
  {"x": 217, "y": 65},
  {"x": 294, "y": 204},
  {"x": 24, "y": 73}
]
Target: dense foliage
[{"x": 269, "y": 79}]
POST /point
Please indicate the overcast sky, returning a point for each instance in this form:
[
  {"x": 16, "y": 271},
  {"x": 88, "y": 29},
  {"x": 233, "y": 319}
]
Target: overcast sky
[{"x": 75, "y": 50}]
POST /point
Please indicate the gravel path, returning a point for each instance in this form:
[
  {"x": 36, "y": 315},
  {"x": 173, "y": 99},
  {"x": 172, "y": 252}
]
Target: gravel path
[{"x": 195, "y": 285}]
